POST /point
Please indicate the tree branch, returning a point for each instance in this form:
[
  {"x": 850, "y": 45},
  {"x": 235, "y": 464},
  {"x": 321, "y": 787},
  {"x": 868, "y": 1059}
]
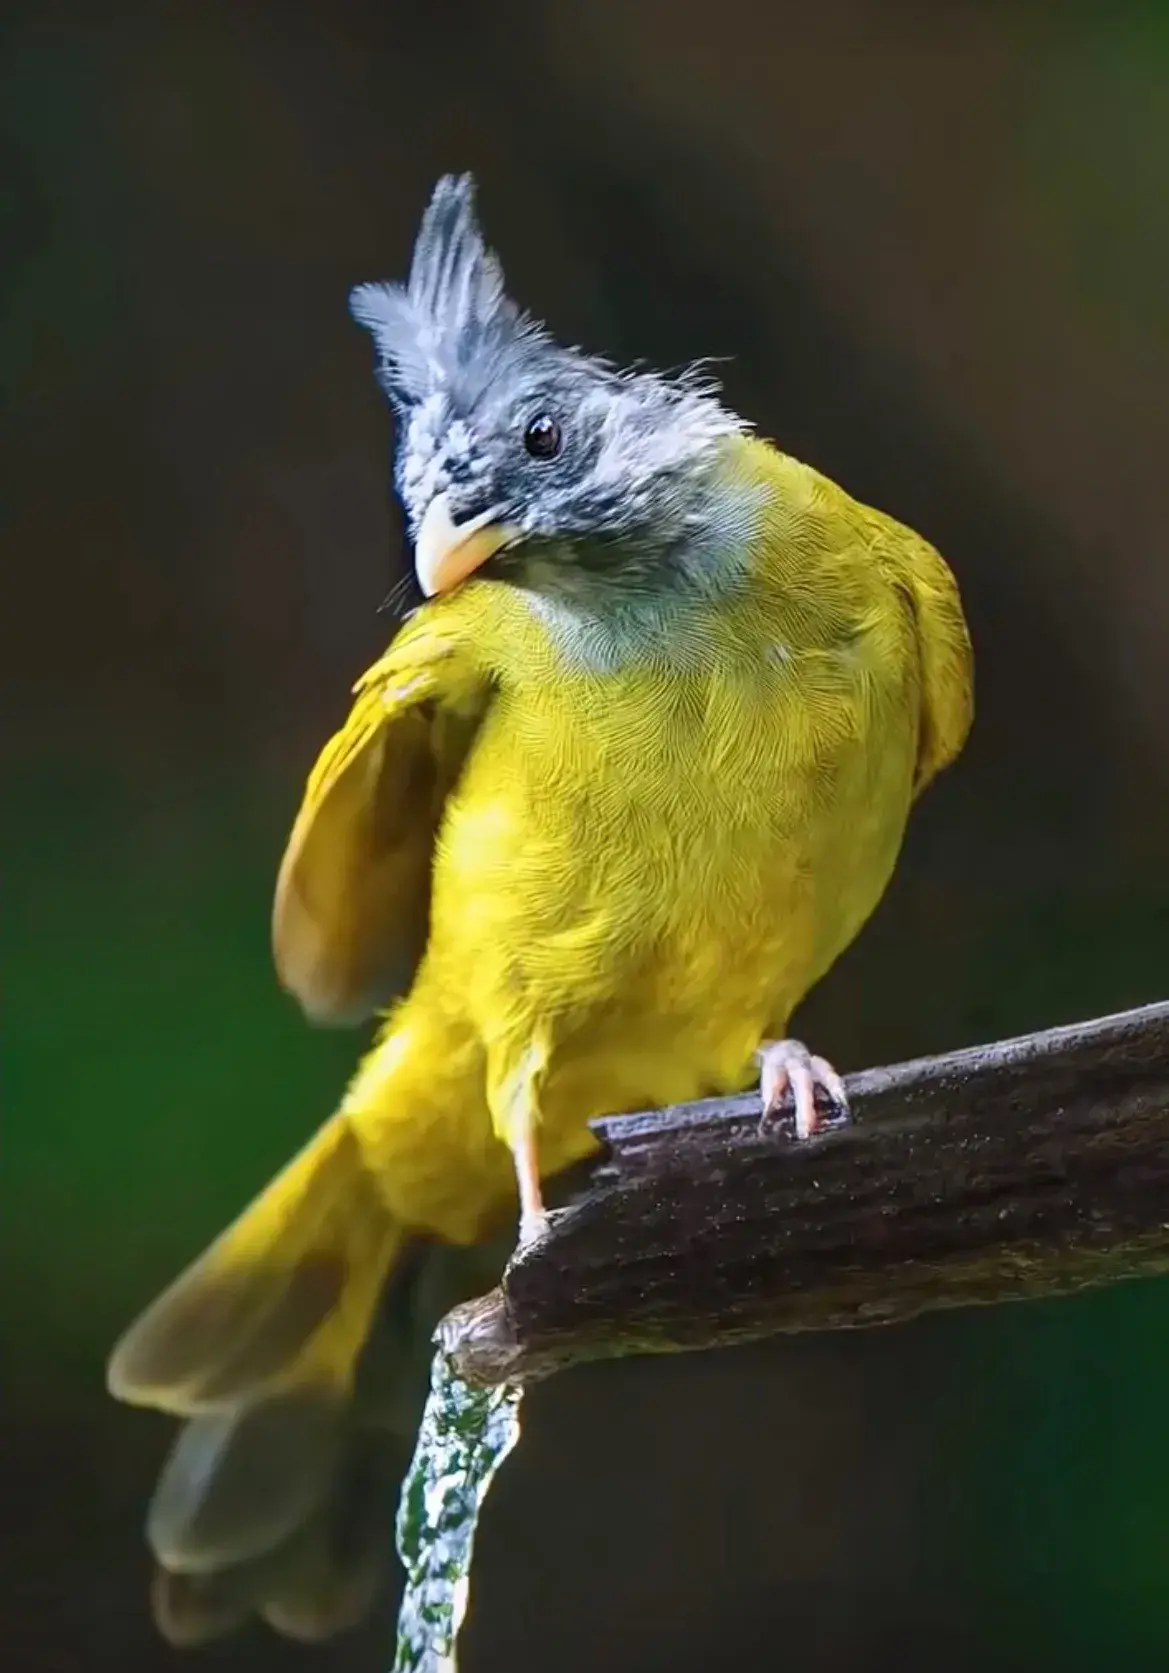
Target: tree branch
[{"x": 1031, "y": 1167}]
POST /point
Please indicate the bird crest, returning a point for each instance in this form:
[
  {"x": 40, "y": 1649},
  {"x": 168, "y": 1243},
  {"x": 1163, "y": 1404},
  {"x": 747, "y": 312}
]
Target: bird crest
[{"x": 453, "y": 318}]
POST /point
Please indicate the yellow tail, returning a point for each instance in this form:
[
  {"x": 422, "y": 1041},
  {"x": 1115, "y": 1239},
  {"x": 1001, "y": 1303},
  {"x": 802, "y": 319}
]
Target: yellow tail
[{"x": 283, "y": 1300}]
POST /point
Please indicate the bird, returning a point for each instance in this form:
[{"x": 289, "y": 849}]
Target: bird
[{"x": 620, "y": 791}]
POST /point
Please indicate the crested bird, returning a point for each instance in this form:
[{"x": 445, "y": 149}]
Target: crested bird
[{"x": 616, "y": 796}]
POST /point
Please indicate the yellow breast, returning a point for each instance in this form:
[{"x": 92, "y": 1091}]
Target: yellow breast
[
  {"x": 654, "y": 848},
  {"x": 654, "y": 862}
]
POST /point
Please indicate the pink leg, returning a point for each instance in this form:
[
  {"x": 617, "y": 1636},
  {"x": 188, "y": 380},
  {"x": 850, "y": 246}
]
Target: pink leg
[{"x": 533, "y": 1218}]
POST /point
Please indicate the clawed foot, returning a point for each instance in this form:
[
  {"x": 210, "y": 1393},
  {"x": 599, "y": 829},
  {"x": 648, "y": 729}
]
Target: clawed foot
[
  {"x": 533, "y": 1225},
  {"x": 788, "y": 1068}
]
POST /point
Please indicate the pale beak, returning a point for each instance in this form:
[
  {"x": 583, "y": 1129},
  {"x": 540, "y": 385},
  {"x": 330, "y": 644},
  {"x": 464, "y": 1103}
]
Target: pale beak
[{"x": 446, "y": 552}]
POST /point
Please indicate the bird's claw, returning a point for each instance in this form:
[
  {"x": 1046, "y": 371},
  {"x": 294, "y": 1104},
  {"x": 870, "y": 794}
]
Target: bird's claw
[
  {"x": 533, "y": 1225},
  {"x": 789, "y": 1078}
]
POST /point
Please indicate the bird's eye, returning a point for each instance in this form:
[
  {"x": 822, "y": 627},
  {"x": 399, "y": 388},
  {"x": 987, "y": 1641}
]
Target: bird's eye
[{"x": 542, "y": 437}]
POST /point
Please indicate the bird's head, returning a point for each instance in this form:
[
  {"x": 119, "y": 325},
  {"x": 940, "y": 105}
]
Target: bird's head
[{"x": 513, "y": 451}]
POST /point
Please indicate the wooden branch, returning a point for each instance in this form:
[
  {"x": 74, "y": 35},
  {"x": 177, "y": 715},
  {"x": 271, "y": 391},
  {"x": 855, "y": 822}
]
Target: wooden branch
[{"x": 1031, "y": 1167}]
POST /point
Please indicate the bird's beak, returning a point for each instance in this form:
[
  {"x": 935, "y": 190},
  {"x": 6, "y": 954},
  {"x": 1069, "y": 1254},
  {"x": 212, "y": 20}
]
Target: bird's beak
[{"x": 446, "y": 552}]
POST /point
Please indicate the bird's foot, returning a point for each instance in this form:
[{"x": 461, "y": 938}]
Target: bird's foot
[
  {"x": 533, "y": 1225},
  {"x": 789, "y": 1078}
]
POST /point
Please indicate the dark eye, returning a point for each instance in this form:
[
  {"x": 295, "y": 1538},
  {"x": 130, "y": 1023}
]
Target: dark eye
[{"x": 542, "y": 437}]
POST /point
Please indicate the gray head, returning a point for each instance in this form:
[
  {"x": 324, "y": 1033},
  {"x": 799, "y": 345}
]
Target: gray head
[{"x": 515, "y": 450}]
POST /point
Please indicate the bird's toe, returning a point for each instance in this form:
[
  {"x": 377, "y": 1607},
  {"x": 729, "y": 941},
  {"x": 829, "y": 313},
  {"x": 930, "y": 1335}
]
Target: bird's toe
[{"x": 789, "y": 1079}]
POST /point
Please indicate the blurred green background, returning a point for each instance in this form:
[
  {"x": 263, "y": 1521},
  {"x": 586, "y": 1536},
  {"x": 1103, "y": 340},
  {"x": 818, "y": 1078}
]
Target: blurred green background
[{"x": 932, "y": 243}]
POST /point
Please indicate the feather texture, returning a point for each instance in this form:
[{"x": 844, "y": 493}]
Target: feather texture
[
  {"x": 453, "y": 317},
  {"x": 645, "y": 861}
]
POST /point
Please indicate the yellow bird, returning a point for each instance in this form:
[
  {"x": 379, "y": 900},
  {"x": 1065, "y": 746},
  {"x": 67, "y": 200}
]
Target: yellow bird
[{"x": 616, "y": 796}]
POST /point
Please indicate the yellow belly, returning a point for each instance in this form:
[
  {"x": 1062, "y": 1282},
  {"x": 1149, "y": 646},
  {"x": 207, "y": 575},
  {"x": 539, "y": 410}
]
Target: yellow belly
[{"x": 637, "y": 880}]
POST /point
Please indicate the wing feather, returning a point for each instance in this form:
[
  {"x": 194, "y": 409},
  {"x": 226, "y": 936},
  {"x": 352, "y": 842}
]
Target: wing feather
[
  {"x": 946, "y": 659},
  {"x": 351, "y": 913}
]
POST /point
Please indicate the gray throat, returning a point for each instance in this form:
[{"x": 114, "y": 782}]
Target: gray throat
[{"x": 633, "y": 598}]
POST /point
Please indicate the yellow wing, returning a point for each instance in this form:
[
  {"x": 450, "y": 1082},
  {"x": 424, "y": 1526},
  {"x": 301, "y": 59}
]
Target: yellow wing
[
  {"x": 821, "y": 543},
  {"x": 946, "y": 658},
  {"x": 350, "y": 919}
]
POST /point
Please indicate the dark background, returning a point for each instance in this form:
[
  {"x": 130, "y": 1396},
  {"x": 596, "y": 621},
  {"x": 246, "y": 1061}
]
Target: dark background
[{"x": 932, "y": 240}]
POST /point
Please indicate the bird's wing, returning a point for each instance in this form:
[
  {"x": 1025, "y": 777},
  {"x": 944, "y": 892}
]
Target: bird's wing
[
  {"x": 946, "y": 659},
  {"x": 350, "y": 919}
]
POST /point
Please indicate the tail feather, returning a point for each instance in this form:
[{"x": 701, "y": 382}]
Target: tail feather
[
  {"x": 279, "y": 1489},
  {"x": 239, "y": 1481},
  {"x": 192, "y": 1609},
  {"x": 320, "y": 1578},
  {"x": 283, "y": 1298},
  {"x": 326, "y": 1579}
]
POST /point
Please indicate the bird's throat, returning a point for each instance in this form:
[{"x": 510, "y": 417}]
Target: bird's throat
[{"x": 613, "y": 601}]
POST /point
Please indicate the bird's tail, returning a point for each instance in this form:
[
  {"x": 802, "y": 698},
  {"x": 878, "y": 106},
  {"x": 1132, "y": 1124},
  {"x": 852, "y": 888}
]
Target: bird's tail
[
  {"x": 281, "y": 1302},
  {"x": 297, "y": 1350},
  {"x": 257, "y": 1346},
  {"x": 280, "y": 1509}
]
